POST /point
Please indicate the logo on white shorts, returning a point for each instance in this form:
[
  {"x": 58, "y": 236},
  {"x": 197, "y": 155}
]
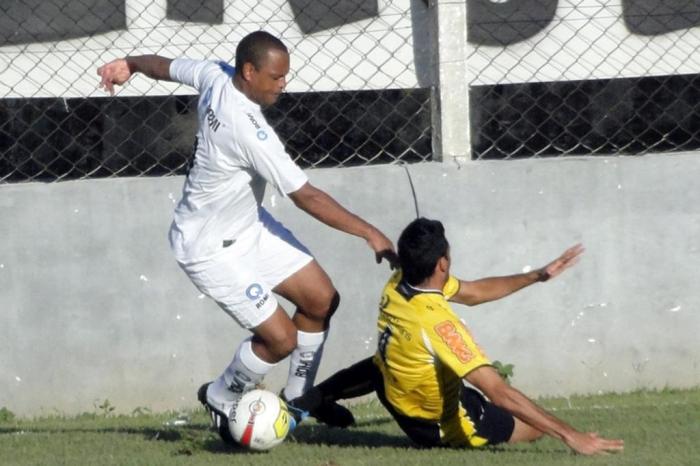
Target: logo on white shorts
[{"x": 255, "y": 293}]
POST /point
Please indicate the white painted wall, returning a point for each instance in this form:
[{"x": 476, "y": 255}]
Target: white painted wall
[{"x": 93, "y": 307}]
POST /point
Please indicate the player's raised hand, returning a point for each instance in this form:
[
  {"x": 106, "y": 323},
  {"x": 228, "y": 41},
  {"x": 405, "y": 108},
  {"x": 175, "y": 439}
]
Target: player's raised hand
[
  {"x": 569, "y": 258},
  {"x": 114, "y": 72},
  {"x": 589, "y": 443}
]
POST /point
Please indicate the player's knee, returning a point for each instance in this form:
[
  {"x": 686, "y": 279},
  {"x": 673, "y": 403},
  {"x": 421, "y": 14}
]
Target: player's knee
[
  {"x": 324, "y": 306},
  {"x": 332, "y": 307}
]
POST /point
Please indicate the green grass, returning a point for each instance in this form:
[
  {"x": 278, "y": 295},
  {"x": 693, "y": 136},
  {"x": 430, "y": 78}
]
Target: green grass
[{"x": 659, "y": 428}]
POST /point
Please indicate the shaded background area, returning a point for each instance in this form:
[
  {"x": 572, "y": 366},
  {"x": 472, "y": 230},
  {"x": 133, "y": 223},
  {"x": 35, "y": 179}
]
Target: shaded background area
[
  {"x": 594, "y": 117},
  {"x": 51, "y": 139}
]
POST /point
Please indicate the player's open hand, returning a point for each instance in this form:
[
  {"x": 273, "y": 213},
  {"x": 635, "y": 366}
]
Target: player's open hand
[
  {"x": 114, "y": 72},
  {"x": 569, "y": 258},
  {"x": 589, "y": 443}
]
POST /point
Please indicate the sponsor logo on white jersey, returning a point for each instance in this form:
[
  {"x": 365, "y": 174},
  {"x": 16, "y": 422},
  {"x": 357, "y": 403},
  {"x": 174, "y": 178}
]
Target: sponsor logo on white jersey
[{"x": 261, "y": 134}]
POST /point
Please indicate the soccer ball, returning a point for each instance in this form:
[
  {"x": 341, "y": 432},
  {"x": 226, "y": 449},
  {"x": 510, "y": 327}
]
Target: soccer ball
[{"x": 261, "y": 420}]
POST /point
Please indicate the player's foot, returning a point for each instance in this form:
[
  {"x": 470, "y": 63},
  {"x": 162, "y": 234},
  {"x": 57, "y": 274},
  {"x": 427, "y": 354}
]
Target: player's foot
[
  {"x": 219, "y": 419},
  {"x": 334, "y": 415},
  {"x": 323, "y": 410},
  {"x": 298, "y": 414}
]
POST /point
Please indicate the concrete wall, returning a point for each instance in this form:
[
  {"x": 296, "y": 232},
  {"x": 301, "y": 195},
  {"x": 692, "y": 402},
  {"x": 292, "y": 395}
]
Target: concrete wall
[{"x": 93, "y": 307}]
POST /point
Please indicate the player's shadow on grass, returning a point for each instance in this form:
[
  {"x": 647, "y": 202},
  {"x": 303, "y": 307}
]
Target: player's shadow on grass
[
  {"x": 216, "y": 446},
  {"x": 319, "y": 434},
  {"x": 527, "y": 449},
  {"x": 166, "y": 434}
]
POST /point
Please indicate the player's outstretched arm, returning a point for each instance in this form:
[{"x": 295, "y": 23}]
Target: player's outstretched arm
[
  {"x": 487, "y": 380},
  {"x": 323, "y": 207},
  {"x": 488, "y": 289},
  {"x": 119, "y": 71}
]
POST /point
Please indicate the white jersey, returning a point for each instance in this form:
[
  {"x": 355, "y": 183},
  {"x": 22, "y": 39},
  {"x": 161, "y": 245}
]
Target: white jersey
[{"x": 236, "y": 153}]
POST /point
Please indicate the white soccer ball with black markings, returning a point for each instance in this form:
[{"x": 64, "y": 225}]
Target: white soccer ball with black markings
[{"x": 261, "y": 420}]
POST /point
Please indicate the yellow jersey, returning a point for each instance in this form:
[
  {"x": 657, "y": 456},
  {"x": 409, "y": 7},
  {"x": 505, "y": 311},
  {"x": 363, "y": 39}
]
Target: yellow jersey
[{"x": 423, "y": 352}]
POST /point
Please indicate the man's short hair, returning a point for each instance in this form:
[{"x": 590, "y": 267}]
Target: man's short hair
[
  {"x": 253, "y": 49},
  {"x": 421, "y": 244}
]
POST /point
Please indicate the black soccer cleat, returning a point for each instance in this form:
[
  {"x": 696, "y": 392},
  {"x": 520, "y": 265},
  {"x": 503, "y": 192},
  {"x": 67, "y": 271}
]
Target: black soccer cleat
[
  {"x": 219, "y": 419},
  {"x": 322, "y": 409},
  {"x": 333, "y": 414}
]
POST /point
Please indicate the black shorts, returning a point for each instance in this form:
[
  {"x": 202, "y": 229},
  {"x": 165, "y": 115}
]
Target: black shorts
[{"x": 491, "y": 422}]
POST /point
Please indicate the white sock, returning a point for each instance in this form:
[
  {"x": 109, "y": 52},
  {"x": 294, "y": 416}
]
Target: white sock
[
  {"x": 304, "y": 362},
  {"x": 244, "y": 372}
]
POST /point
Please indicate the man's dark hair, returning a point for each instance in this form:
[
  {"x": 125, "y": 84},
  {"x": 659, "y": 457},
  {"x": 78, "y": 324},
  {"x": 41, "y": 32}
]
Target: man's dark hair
[
  {"x": 421, "y": 244},
  {"x": 253, "y": 49}
]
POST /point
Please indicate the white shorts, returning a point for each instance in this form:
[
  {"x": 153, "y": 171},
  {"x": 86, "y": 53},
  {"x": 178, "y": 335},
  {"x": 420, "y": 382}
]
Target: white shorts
[{"x": 242, "y": 277}]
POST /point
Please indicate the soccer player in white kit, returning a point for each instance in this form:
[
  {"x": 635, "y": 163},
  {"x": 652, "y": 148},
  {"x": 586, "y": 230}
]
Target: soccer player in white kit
[{"x": 232, "y": 249}]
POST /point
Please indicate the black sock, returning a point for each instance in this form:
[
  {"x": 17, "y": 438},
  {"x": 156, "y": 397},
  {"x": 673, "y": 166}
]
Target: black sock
[{"x": 352, "y": 382}]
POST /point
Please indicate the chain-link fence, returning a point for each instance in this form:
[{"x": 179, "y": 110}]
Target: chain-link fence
[
  {"x": 353, "y": 96},
  {"x": 548, "y": 78},
  {"x": 583, "y": 77}
]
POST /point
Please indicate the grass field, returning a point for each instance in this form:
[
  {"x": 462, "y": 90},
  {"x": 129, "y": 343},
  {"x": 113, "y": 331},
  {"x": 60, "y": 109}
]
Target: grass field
[{"x": 659, "y": 428}]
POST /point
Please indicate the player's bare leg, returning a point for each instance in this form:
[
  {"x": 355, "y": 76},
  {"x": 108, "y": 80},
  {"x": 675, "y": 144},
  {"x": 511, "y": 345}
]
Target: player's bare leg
[
  {"x": 312, "y": 291},
  {"x": 523, "y": 432},
  {"x": 275, "y": 338}
]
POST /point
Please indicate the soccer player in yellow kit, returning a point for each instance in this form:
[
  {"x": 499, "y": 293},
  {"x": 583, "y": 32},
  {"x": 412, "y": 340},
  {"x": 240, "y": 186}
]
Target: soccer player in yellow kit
[
  {"x": 423, "y": 347},
  {"x": 425, "y": 353}
]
